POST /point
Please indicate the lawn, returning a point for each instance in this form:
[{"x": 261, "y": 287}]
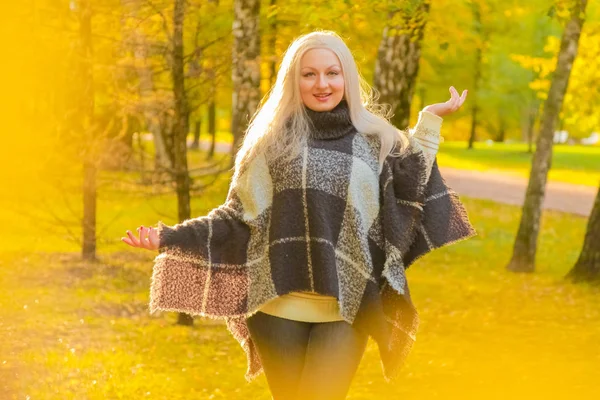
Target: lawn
[
  {"x": 571, "y": 164},
  {"x": 74, "y": 330}
]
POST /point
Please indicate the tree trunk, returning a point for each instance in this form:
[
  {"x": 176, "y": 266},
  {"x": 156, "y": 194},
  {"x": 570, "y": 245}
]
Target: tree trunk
[
  {"x": 273, "y": 44},
  {"x": 85, "y": 125},
  {"x": 180, "y": 125},
  {"x": 162, "y": 158},
  {"x": 196, "y": 143},
  {"x": 166, "y": 121},
  {"x": 474, "y": 110},
  {"x": 398, "y": 58},
  {"x": 587, "y": 267},
  {"x": 501, "y": 136},
  {"x": 89, "y": 211},
  {"x": 523, "y": 258},
  {"x": 533, "y": 111},
  {"x": 475, "y": 8},
  {"x": 246, "y": 68},
  {"x": 141, "y": 146},
  {"x": 212, "y": 127}
]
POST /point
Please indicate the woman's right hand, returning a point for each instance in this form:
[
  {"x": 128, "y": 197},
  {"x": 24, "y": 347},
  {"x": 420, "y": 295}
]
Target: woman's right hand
[{"x": 148, "y": 238}]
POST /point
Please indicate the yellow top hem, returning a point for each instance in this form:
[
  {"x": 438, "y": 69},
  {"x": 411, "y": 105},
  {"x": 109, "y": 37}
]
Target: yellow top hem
[{"x": 304, "y": 306}]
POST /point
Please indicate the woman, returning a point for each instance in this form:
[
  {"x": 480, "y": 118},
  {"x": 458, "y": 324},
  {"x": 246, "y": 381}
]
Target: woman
[{"x": 328, "y": 205}]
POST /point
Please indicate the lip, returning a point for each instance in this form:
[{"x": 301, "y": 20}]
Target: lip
[{"x": 323, "y": 99}]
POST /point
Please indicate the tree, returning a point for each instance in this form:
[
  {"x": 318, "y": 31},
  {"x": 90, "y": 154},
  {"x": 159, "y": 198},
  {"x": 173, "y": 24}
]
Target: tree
[
  {"x": 180, "y": 126},
  {"x": 523, "y": 257},
  {"x": 398, "y": 58},
  {"x": 212, "y": 100},
  {"x": 84, "y": 124},
  {"x": 246, "y": 68},
  {"x": 149, "y": 104},
  {"x": 272, "y": 18},
  {"x": 478, "y": 65},
  {"x": 587, "y": 267}
]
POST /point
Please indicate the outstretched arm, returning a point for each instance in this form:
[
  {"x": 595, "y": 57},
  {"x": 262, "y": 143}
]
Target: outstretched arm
[{"x": 427, "y": 130}]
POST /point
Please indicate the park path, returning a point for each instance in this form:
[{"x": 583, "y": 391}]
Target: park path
[
  {"x": 565, "y": 197},
  {"x": 508, "y": 189}
]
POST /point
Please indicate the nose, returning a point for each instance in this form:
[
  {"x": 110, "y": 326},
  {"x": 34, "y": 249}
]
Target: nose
[{"x": 321, "y": 82}]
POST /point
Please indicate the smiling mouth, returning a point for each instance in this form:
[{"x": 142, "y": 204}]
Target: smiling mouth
[{"x": 322, "y": 96}]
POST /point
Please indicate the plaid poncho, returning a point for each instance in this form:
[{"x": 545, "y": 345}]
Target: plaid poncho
[{"x": 327, "y": 222}]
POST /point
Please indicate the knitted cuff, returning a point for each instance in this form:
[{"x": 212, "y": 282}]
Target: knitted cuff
[
  {"x": 427, "y": 135},
  {"x": 427, "y": 130}
]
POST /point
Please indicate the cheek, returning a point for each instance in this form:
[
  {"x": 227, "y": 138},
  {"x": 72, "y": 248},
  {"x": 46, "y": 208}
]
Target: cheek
[
  {"x": 305, "y": 85},
  {"x": 338, "y": 83}
]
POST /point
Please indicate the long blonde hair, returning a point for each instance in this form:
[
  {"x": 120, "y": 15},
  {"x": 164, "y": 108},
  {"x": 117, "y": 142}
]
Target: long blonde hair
[{"x": 281, "y": 126}]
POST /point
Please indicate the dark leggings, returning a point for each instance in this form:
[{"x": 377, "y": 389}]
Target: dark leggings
[{"x": 304, "y": 360}]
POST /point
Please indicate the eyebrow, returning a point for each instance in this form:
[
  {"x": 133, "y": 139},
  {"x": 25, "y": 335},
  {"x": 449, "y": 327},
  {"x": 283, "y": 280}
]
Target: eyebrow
[{"x": 331, "y": 66}]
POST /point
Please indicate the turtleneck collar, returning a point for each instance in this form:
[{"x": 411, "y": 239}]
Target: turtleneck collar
[{"x": 332, "y": 124}]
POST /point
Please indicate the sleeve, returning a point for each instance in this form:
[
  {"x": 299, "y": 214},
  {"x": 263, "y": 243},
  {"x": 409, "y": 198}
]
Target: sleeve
[
  {"x": 426, "y": 134},
  {"x": 420, "y": 211},
  {"x": 444, "y": 220},
  {"x": 201, "y": 268},
  {"x": 217, "y": 238},
  {"x": 403, "y": 182}
]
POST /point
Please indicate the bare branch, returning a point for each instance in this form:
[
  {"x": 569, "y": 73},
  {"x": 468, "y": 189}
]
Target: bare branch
[{"x": 165, "y": 22}]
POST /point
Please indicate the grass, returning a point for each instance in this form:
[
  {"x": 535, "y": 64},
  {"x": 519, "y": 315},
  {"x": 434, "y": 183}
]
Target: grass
[
  {"x": 571, "y": 164},
  {"x": 73, "y": 330},
  {"x": 574, "y": 164}
]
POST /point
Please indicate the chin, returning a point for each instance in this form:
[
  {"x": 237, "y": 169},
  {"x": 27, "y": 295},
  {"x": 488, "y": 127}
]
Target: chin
[
  {"x": 318, "y": 106},
  {"x": 322, "y": 107}
]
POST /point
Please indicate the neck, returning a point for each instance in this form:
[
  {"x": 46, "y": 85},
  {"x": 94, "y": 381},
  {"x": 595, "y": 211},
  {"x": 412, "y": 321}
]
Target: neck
[{"x": 331, "y": 124}]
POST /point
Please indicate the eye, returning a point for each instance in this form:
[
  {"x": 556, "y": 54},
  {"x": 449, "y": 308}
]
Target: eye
[{"x": 312, "y": 73}]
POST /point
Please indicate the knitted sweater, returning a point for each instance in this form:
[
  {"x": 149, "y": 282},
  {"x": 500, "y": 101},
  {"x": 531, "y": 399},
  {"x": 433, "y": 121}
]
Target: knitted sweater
[
  {"x": 327, "y": 222},
  {"x": 311, "y": 307}
]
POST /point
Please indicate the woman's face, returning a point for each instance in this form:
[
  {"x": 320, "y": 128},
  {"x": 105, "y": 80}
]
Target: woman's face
[{"x": 321, "y": 79}]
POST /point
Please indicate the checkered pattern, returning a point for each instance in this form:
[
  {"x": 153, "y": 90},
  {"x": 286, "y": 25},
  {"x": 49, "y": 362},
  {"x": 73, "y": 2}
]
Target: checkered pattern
[{"x": 327, "y": 222}]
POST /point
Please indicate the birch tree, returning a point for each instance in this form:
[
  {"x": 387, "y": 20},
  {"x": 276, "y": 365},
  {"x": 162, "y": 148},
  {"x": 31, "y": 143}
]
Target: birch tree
[
  {"x": 587, "y": 267},
  {"x": 524, "y": 250},
  {"x": 245, "y": 68},
  {"x": 398, "y": 56}
]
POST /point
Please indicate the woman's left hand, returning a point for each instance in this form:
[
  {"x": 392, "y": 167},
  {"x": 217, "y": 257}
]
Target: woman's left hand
[{"x": 442, "y": 109}]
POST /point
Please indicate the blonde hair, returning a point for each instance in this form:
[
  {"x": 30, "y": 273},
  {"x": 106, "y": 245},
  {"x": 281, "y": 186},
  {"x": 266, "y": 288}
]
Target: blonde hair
[{"x": 280, "y": 127}]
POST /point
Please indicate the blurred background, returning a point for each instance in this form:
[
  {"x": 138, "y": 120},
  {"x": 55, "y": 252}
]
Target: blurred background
[{"x": 121, "y": 113}]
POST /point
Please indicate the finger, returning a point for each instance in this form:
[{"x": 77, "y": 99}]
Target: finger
[
  {"x": 153, "y": 238},
  {"x": 128, "y": 241},
  {"x": 147, "y": 240},
  {"x": 453, "y": 92},
  {"x": 144, "y": 237},
  {"x": 133, "y": 239},
  {"x": 456, "y": 100},
  {"x": 463, "y": 97},
  {"x": 452, "y": 102},
  {"x": 459, "y": 99}
]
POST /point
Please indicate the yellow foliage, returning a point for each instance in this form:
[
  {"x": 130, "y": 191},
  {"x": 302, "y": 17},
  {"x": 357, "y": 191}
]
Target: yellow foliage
[{"x": 552, "y": 45}]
